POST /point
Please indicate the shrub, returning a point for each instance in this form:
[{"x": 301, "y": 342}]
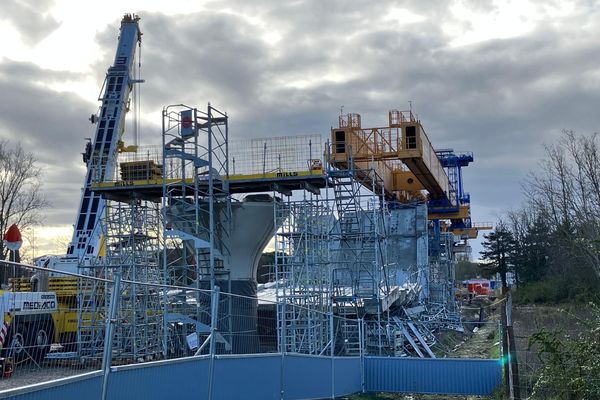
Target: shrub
[
  {"x": 570, "y": 366},
  {"x": 557, "y": 290}
]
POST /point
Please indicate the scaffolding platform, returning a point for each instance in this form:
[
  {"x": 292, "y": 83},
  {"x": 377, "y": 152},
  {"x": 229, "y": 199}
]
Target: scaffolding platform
[
  {"x": 152, "y": 189},
  {"x": 281, "y": 164}
]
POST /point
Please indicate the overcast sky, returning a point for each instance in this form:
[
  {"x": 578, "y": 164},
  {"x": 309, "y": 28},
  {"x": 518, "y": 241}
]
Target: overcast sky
[{"x": 496, "y": 78}]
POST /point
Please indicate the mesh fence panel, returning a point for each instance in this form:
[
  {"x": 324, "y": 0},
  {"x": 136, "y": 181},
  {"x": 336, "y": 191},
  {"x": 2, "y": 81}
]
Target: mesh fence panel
[
  {"x": 56, "y": 325},
  {"x": 43, "y": 330}
]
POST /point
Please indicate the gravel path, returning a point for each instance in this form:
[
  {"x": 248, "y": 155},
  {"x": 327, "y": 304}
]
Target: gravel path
[{"x": 29, "y": 374}]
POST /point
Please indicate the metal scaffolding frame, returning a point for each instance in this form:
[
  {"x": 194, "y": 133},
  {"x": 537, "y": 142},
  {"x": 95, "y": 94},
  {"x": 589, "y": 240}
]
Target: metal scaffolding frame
[
  {"x": 337, "y": 249},
  {"x": 197, "y": 215},
  {"x": 132, "y": 245},
  {"x": 331, "y": 257},
  {"x": 442, "y": 272},
  {"x": 343, "y": 255},
  {"x": 361, "y": 275},
  {"x": 302, "y": 273}
]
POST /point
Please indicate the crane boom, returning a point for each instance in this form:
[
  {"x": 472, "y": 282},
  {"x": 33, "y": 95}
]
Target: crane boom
[{"x": 101, "y": 155}]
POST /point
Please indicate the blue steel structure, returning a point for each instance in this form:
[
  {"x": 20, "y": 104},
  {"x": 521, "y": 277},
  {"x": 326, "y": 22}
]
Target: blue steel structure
[
  {"x": 453, "y": 163},
  {"x": 100, "y": 155}
]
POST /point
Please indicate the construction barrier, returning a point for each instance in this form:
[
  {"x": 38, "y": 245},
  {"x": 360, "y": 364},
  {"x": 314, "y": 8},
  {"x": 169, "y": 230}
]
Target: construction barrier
[
  {"x": 274, "y": 376},
  {"x": 452, "y": 376},
  {"x": 88, "y": 385}
]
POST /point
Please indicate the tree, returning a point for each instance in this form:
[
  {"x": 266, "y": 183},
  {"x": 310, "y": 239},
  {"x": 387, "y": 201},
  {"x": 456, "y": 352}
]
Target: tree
[
  {"x": 566, "y": 190},
  {"x": 466, "y": 270},
  {"x": 499, "y": 252},
  {"x": 533, "y": 238},
  {"x": 21, "y": 198}
]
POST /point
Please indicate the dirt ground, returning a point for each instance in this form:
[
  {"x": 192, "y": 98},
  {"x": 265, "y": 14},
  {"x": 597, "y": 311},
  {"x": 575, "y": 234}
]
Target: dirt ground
[
  {"x": 29, "y": 374},
  {"x": 482, "y": 339}
]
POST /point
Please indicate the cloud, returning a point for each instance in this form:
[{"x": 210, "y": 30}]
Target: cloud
[
  {"x": 50, "y": 125},
  {"x": 499, "y": 98},
  {"x": 285, "y": 68},
  {"x": 30, "y": 18}
]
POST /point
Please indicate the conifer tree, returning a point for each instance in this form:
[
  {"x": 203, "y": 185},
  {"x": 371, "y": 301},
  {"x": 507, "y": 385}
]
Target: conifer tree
[{"x": 499, "y": 252}]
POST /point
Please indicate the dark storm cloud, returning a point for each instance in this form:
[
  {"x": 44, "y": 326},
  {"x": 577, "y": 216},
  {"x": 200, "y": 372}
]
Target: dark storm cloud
[
  {"x": 221, "y": 57},
  {"x": 50, "y": 125},
  {"x": 209, "y": 55},
  {"x": 30, "y": 18}
]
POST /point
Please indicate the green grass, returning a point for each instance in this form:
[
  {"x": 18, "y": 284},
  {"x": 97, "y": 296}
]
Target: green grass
[{"x": 494, "y": 351}]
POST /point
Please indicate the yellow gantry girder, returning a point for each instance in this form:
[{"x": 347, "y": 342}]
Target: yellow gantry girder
[
  {"x": 466, "y": 233},
  {"x": 389, "y": 150},
  {"x": 464, "y": 212},
  {"x": 471, "y": 232}
]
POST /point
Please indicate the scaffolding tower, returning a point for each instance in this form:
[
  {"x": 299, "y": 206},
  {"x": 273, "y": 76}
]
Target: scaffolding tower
[
  {"x": 442, "y": 272},
  {"x": 302, "y": 247},
  {"x": 197, "y": 214},
  {"x": 331, "y": 259},
  {"x": 132, "y": 245}
]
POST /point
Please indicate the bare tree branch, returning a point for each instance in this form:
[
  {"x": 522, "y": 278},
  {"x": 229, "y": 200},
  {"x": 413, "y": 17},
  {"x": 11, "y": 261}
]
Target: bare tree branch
[{"x": 21, "y": 196}]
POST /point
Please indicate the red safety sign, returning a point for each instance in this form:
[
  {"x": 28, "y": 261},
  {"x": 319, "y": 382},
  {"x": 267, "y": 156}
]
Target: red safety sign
[{"x": 12, "y": 238}]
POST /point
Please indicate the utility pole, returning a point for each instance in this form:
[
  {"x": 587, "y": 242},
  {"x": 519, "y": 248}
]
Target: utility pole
[
  {"x": 515, "y": 388},
  {"x": 505, "y": 349}
]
